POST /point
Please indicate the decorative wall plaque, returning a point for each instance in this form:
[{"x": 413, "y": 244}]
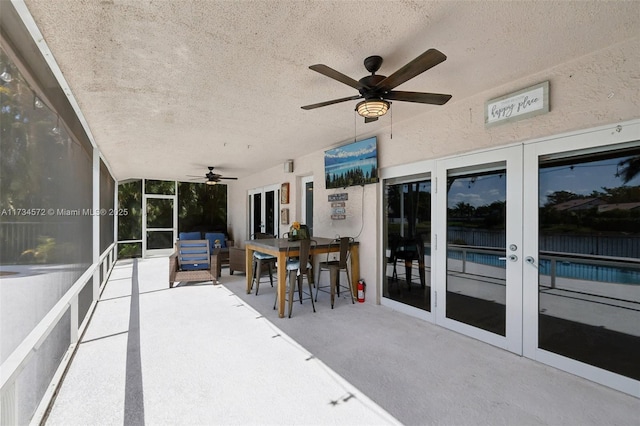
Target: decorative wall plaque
[
  {"x": 515, "y": 106},
  {"x": 284, "y": 216},
  {"x": 339, "y": 197},
  {"x": 284, "y": 193}
]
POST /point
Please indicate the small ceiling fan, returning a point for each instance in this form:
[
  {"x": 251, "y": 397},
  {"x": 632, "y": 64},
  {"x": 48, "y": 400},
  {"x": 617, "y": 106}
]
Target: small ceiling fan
[
  {"x": 377, "y": 90},
  {"x": 213, "y": 178}
]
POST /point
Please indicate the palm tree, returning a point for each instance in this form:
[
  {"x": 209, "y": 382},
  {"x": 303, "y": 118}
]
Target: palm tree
[{"x": 629, "y": 168}]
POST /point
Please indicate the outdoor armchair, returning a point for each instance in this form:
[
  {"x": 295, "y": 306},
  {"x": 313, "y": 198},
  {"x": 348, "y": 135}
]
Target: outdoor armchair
[{"x": 193, "y": 261}]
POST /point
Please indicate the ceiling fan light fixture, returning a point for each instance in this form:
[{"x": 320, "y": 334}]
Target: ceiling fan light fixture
[
  {"x": 211, "y": 182},
  {"x": 6, "y": 76},
  {"x": 371, "y": 108}
]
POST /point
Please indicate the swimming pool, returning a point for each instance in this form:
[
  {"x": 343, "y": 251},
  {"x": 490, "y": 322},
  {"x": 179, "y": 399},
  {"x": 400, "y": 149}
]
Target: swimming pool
[{"x": 573, "y": 270}]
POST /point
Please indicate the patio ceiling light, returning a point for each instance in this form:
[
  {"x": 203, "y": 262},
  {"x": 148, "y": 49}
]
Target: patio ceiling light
[{"x": 372, "y": 108}]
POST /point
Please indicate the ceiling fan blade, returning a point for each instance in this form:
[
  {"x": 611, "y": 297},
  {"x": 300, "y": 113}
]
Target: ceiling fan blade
[
  {"x": 335, "y": 101},
  {"x": 228, "y": 178},
  {"x": 422, "y": 98},
  {"x": 428, "y": 59},
  {"x": 370, "y": 119},
  {"x": 336, "y": 75}
]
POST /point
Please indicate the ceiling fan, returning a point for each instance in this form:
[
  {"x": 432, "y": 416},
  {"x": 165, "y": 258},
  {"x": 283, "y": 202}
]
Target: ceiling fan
[
  {"x": 377, "y": 90},
  {"x": 213, "y": 178}
]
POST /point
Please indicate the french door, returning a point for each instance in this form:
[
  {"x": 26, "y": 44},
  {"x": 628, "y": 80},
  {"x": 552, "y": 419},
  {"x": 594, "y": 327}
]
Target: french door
[
  {"x": 534, "y": 248},
  {"x": 264, "y": 210},
  {"x": 478, "y": 286}
]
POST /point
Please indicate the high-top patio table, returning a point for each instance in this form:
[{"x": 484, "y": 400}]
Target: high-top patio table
[{"x": 281, "y": 247}]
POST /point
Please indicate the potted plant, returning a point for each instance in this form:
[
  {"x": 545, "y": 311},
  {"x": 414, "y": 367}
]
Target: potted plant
[{"x": 294, "y": 231}]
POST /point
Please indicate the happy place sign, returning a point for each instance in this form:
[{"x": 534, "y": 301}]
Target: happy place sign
[{"x": 522, "y": 104}]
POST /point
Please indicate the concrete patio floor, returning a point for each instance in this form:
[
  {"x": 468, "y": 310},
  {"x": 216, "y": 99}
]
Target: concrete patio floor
[{"x": 200, "y": 354}]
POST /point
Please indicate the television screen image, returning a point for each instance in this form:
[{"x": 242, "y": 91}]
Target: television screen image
[{"x": 352, "y": 164}]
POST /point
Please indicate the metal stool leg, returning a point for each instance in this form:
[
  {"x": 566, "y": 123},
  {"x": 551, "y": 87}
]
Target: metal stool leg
[
  {"x": 257, "y": 273},
  {"x": 292, "y": 282},
  {"x": 350, "y": 286},
  {"x": 253, "y": 273},
  {"x": 318, "y": 286},
  {"x": 333, "y": 272},
  {"x": 309, "y": 276}
]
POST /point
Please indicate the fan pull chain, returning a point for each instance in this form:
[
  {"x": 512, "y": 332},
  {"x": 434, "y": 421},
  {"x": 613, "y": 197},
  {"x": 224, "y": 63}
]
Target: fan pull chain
[
  {"x": 355, "y": 122},
  {"x": 391, "y": 122}
]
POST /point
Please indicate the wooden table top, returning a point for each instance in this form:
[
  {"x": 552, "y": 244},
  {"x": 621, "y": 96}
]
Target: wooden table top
[{"x": 283, "y": 244}]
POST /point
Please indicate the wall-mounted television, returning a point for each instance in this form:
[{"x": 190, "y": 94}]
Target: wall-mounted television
[{"x": 352, "y": 164}]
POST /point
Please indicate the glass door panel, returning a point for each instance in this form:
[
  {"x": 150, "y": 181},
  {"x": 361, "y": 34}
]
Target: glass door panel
[
  {"x": 159, "y": 240},
  {"x": 408, "y": 243},
  {"x": 271, "y": 207},
  {"x": 588, "y": 251},
  {"x": 159, "y": 213},
  {"x": 476, "y": 249},
  {"x": 307, "y": 202},
  {"x": 256, "y": 213}
]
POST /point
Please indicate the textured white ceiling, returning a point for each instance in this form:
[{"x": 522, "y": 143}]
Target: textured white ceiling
[{"x": 170, "y": 87}]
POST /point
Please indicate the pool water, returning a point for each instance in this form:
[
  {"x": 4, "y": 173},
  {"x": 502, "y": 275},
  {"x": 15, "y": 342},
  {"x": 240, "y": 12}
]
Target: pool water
[{"x": 573, "y": 270}]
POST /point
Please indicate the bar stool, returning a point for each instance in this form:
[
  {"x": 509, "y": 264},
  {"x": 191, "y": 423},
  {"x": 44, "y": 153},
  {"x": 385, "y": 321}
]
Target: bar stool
[
  {"x": 260, "y": 260},
  {"x": 411, "y": 249},
  {"x": 297, "y": 268},
  {"x": 335, "y": 267}
]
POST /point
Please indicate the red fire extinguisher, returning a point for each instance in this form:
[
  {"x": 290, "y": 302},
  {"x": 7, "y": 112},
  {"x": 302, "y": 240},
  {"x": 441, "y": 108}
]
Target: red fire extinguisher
[{"x": 362, "y": 286}]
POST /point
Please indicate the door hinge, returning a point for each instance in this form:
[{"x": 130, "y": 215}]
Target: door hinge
[{"x": 435, "y": 298}]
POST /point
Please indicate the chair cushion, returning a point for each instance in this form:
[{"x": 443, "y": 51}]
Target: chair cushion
[
  {"x": 189, "y": 236},
  {"x": 294, "y": 265},
  {"x": 195, "y": 267},
  {"x": 213, "y": 236},
  {"x": 262, "y": 256}
]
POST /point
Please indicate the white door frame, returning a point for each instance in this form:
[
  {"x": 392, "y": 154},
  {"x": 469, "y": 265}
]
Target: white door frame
[
  {"x": 594, "y": 140},
  {"x": 158, "y": 252},
  {"x": 509, "y": 158},
  {"x": 422, "y": 170}
]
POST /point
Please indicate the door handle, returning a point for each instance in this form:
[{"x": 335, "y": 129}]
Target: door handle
[{"x": 511, "y": 257}]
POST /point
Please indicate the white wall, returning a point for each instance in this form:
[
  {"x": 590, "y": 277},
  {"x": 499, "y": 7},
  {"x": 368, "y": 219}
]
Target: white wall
[{"x": 593, "y": 90}]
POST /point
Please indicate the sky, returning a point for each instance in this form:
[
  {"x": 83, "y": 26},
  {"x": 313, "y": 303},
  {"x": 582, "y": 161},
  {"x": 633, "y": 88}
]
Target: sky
[
  {"x": 581, "y": 178},
  {"x": 479, "y": 191}
]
